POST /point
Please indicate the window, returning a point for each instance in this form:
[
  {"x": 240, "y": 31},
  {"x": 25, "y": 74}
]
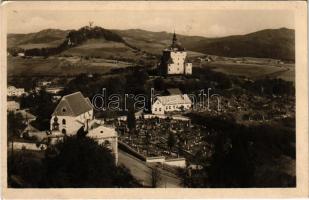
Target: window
[
  {"x": 169, "y": 107},
  {"x": 63, "y": 121},
  {"x": 64, "y": 131},
  {"x": 155, "y": 109},
  {"x": 159, "y": 109},
  {"x": 64, "y": 110}
]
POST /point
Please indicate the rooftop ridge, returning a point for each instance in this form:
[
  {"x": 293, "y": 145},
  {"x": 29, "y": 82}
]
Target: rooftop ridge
[{"x": 72, "y": 94}]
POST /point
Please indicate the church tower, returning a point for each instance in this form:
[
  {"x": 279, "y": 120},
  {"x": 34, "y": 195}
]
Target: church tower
[{"x": 174, "y": 60}]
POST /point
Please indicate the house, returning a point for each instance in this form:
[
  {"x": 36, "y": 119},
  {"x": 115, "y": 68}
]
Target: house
[
  {"x": 21, "y": 54},
  {"x": 30, "y": 129},
  {"x": 72, "y": 112},
  {"x": 13, "y": 106},
  {"x": 176, "y": 101},
  {"x": 174, "y": 60},
  {"x": 13, "y": 91},
  {"x": 23, "y": 144},
  {"x": 106, "y": 136},
  {"x": 54, "y": 90},
  {"x": 56, "y": 98},
  {"x": 27, "y": 116},
  {"x": 44, "y": 83}
]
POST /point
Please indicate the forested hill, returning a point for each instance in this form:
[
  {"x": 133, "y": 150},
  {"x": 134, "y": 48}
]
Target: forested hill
[
  {"x": 267, "y": 43},
  {"x": 75, "y": 38}
]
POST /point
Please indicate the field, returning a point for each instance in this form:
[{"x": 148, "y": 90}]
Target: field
[
  {"x": 255, "y": 71},
  {"x": 41, "y": 45},
  {"x": 60, "y": 66},
  {"x": 103, "y": 49},
  {"x": 155, "y": 47}
]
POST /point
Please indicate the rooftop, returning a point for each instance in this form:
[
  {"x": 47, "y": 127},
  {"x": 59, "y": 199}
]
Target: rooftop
[
  {"x": 174, "y": 99},
  {"x": 76, "y": 104},
  {"x": 175, "y": 46},
  {"x": 174, "y": 91},
  {"x": 102, "y": 132}
]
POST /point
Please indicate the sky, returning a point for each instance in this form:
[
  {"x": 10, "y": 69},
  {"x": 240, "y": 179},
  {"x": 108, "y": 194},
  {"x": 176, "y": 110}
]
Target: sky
[{"x": 199, "y": 22}]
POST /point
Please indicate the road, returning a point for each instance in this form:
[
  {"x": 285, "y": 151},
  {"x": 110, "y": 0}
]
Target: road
[{"x": 142, "y": 172}]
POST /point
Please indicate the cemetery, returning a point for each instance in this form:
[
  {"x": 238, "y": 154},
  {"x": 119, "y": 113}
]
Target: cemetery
[{"x": 158, "y": 138}]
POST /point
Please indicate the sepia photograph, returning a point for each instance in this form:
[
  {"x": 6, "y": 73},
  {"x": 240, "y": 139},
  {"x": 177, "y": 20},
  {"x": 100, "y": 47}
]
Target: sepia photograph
[{"x": 154, "y": 95}]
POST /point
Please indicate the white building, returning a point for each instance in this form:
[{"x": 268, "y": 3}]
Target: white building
[
  {"x": 13, "y": 91},
  {"x": 106, "y": 136},
  {"x": 54, "y": 90},
  {"x": 72, "y": 112},
  {"x": 174, "y": 60},
  {"x": 171, "y": 103},
  {"x": 13, "y": 106},
  {"x": 44, "y": 83},
  {"x": 21, "y": 54}
]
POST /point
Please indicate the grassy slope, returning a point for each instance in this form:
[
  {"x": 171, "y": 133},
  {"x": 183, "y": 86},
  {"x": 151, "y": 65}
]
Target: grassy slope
[
  {"x": 44, "y": 38},
  {"x": 102, "y": 48},
  {"x": 286, "y": 71}
]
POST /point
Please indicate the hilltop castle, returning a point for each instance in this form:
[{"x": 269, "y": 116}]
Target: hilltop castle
[{"x": 174, "y": 60}]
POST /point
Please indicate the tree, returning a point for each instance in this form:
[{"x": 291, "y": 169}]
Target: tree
[
  {"x": 15, "y": 124},
  {"x": 81, "y": 162},
  {"x": 155, "y": 177},
  {"x": 131, "y": 120},
  {"x": 171, "y": 141},
  {"x": 43, "y": 109}
]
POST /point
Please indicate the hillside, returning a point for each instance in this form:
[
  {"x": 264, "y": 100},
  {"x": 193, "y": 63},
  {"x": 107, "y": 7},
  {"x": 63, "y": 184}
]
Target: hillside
[
  {"x": 269, "y": 43},
  {"x": 102, "y": 48},
  {"x": 45, "y": 38}
]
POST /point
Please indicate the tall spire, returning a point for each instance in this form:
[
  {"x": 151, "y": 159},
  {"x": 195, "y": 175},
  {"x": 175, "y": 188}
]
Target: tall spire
[{"x": 174, "y": 38}]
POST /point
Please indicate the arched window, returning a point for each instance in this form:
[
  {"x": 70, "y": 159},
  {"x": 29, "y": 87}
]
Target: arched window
[
  {"x": 63, "y": 121},
  {"x": 64, "y": 131}
]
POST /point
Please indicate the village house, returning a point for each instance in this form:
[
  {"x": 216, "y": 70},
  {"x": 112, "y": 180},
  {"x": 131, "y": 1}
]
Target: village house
[
  {"x": 23, "y": 144},
  {"x": 53, "y": 90},
  {"x": 44, "y": 83},
  {"x": 13, "y": 106},
  {"x": 174, "y": 60},
  {"x": 15, "y": 92},
  {"x": 21, "y": 54},
  {"x": 175, "y": 101},
  {"x": 106, "y": 136},
  {"x": 27, "y": 116}
]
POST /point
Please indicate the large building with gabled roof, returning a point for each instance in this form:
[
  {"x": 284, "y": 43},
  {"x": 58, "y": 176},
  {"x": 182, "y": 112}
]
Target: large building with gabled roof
[
  {"x": 174, "y": 60},
  {"x": 72, "y": 112},
  {"x": 175, "y": 101}
]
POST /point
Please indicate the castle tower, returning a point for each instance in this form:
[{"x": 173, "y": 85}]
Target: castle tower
[{"x": 174, "y": 60}]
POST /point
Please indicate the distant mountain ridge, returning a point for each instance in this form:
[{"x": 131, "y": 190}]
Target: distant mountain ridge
[{"x": 268, "y": 43}]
